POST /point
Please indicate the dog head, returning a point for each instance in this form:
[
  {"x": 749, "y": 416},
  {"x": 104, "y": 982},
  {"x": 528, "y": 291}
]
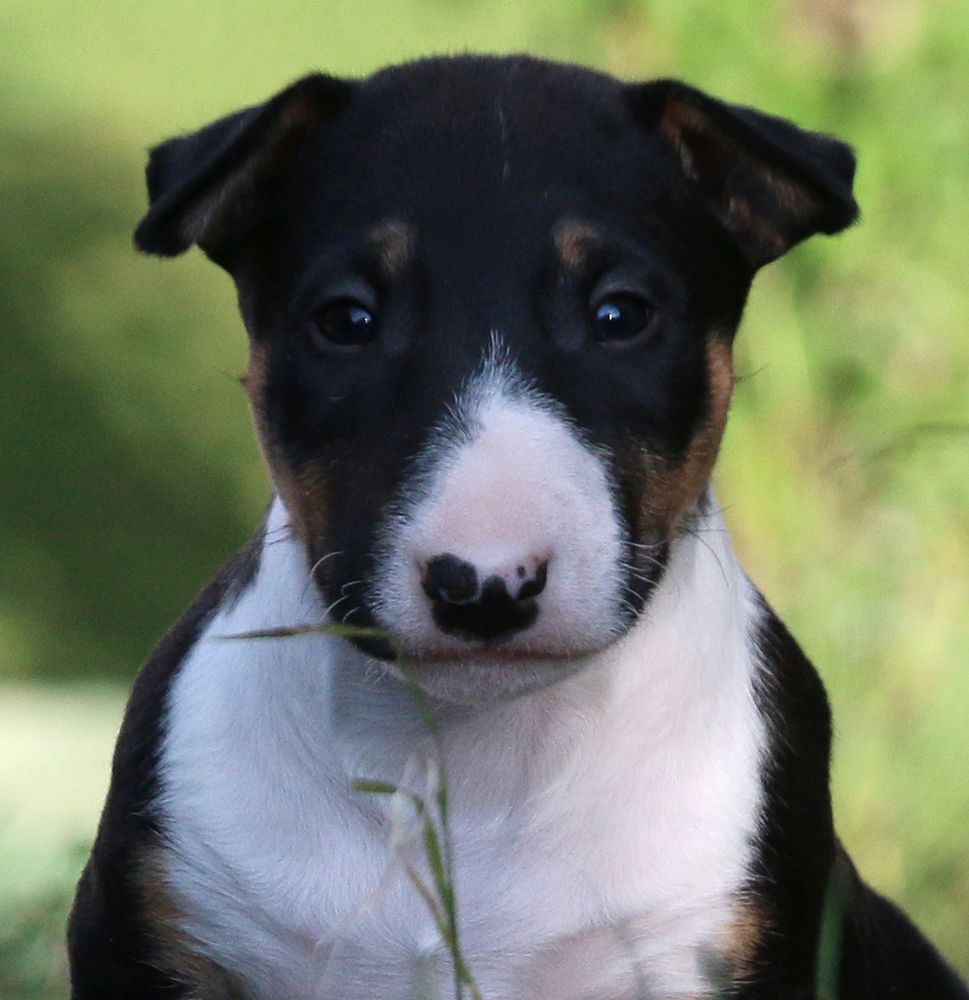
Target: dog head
[{"x": 491, "y": 305}]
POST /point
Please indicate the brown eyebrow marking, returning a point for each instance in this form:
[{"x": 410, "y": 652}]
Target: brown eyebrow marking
[
  {"x": 394, "y": 242},
  {"x": 576, "y": 241}
]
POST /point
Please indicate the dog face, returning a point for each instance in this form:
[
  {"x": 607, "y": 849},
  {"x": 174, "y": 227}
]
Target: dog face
[{"x": 490, "y": 306}]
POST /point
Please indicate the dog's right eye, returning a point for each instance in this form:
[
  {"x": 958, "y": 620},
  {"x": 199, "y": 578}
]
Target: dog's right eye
[
  {"x": 620, "y": 318},
  {"x": 343, "y": 324}
]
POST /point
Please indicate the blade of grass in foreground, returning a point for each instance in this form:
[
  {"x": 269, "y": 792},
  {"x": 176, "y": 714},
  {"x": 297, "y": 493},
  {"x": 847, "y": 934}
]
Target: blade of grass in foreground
[
  {"x": 832, "y": 931},
  {"x": 343, "y": 631},
  {"x": 435, "y": 835}
]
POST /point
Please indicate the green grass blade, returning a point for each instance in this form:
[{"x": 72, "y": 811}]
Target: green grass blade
[{"x": 832, "y": 932}]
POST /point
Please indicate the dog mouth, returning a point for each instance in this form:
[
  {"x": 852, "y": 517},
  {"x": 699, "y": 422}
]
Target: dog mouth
[
  {"x": 456, "y": 636},
  {"x": 497, "y": 655},
  {"x": 506, "y": 650},
  {"x": 473, "y": 664},
  {"x": 502, "y": 652}
]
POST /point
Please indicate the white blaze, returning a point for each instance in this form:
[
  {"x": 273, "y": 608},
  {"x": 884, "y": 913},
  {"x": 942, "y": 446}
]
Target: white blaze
[{"x": 509, "y": 483}]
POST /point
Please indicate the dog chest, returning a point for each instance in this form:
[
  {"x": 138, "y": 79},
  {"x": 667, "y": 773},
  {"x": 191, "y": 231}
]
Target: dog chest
[
  {"x": 597, "y": 844},
  {"x": 301, "y": 893}
]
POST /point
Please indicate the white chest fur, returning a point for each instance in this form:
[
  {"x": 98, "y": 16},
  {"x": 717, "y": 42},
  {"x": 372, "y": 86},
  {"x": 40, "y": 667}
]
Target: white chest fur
[{"x": 602, "y": 826}]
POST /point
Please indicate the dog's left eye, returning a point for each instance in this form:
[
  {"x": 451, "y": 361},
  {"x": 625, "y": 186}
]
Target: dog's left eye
[
  {"x": 344, "y": 323},
  {"x": 620, "y": 317}
]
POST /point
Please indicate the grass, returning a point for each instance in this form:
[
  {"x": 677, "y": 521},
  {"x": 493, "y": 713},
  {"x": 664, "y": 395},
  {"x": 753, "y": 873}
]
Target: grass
[
  {"x": 55, "y": 751},
  {"x": 429, "y": 809}
]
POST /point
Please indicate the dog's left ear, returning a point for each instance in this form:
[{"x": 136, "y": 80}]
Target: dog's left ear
[
  {"x": 205, "y": 187},
  {"x": 769, "y": 182}
]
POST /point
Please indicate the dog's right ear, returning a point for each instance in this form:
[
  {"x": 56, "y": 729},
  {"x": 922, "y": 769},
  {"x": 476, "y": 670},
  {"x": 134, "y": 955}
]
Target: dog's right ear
[{"x": 204, "y": 188}]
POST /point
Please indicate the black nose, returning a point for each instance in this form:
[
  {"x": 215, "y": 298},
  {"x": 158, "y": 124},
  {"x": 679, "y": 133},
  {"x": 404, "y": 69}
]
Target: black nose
[{"x": 467, "y": 607}]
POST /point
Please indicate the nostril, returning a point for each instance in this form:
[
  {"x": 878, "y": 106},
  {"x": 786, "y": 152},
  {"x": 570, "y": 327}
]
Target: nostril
[
  {"x": 450, "y": 579},
  {"x": 533, "y": 586}
]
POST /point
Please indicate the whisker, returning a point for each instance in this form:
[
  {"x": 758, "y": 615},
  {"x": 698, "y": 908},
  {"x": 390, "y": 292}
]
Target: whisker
[
  {"x": 628, "y": 605},
  {"x": 339, "y": 600},
  {"x": 720, "y": 509},
  {"x": 266, "y": 542},
  {"x": 319, "y": 562},
  {"x": 649, "y": 560},
  {"x": 635, "y": 571},
  {"x": 281, "y": 529},
  {"x": 312, "y": 573},
  {"x": 712, "y": 552},
  {"x": 646, "y": 545}
]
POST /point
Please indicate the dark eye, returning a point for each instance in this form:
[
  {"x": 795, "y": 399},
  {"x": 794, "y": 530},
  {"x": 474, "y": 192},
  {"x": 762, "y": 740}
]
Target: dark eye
[
  {"x": 344, "y": 323},
  {"x": 621, "y": 317}
]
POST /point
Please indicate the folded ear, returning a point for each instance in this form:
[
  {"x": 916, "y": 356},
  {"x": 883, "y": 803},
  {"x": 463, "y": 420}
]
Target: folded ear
[
  {"x": 204, "y": 188},
  {"x": 771, "y": 183}
]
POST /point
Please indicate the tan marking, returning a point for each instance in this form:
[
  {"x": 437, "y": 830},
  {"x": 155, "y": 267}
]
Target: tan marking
[
  {"x": 303, "y": 491},
  {"x": 705, "y": 149},
  {"x": 671, "y": 489},
  {"x": 395, "y": 246},
  {"x": 575, "y": 241},
  {"x": 795, "y": 199},
  {"x": 743, "y": 220},
  {"x": 173, "y": 951},
  {"x": 203, "y": 221},
  {"x": 743, "y": 938},
  {"x": 676, "y": 119},
  {"x": 678, "y": 115}
]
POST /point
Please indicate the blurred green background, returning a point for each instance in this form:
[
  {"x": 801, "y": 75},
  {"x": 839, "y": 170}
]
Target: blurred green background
[{"x": 129, "y": 471}]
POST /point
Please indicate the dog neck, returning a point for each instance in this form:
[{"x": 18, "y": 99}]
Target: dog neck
[{"x": 687, "y": 667}]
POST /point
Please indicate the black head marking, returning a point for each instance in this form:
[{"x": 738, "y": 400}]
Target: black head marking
[{"x": 380, "y": 230}]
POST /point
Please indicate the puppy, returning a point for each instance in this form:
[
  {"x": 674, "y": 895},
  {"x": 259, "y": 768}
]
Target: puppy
[{"x": 490, "y": 304}]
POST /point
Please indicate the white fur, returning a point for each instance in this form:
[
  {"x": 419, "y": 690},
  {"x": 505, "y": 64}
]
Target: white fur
[
  {"x": 602, "y": 825},
  {"x": 519, "y": 489}
]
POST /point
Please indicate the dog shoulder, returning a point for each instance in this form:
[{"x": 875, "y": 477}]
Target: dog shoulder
[
  {"x": 806, "y": 886},
  {"x": 114, "y": 931}
]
